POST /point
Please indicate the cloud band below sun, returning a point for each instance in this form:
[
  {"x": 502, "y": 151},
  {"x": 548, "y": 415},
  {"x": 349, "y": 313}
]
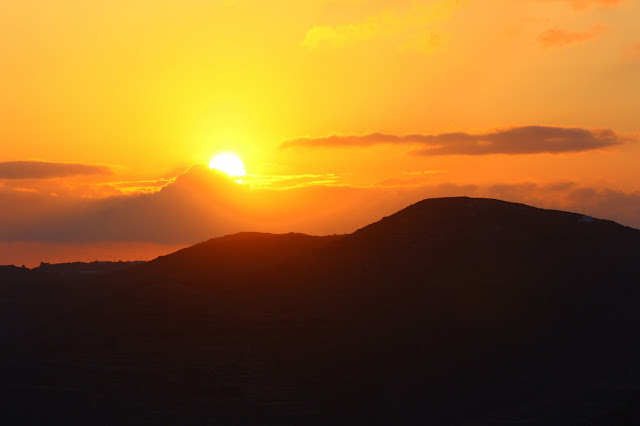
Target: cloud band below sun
[{"x": 515, "y": 140}]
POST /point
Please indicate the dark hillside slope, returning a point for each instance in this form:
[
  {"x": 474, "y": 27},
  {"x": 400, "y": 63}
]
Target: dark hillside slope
[
  {"x": 466, "y": 230},
  {"x": 238, "y": 255},
  {"x": 506, "y": 299},
  {"x": 451, "y": 311},
  {"x": 488, "y": 255}
]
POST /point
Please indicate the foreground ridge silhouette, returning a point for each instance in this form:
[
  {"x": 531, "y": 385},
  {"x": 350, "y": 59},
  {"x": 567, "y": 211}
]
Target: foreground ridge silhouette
[{"x": 451, "y": 311}]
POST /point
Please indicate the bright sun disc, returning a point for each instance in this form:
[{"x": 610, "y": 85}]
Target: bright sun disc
[{"x": 228, "y": 163}]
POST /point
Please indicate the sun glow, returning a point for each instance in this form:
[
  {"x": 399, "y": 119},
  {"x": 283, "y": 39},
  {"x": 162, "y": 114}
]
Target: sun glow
[{"x": 229, "y": 163}]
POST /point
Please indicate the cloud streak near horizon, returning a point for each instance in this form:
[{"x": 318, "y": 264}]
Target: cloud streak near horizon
[
  {"x": 46, "y": 170},
  {"x": 201, "y": 204},
  {"x": 516, "y": 140}
]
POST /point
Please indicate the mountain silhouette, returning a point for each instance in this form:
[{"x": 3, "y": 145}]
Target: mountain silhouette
[{"x": 451, "y": 311}]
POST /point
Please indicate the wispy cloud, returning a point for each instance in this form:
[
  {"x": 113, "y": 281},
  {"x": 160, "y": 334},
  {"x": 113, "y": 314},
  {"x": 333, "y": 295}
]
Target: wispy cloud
[
  {"x": 290, "y": 181},
  {"x": 516, "y": 140},
  {"x": 45, "y": 170},
  {"x": 409, "y": 179},
  {"x": 585, "y": 4},
  {"x": 415, "y": 19},
  {"x": 136, "y": 187},
  {"x": 556, "y": 37}
]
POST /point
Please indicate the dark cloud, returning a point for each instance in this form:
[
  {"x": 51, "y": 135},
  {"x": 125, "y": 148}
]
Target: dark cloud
[
  {"x": 44, "y": 170},
  {"x": 516, "y": 140}
]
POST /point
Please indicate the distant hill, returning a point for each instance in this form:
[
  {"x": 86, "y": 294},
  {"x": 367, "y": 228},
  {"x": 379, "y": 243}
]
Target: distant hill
[
  {"x": 451, "y": 311},
  {"x": 10, "y": 272}
]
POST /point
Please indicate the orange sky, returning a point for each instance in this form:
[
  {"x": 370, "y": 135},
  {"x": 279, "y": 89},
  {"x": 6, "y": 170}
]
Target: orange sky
[{"x": 499, "y": 96}]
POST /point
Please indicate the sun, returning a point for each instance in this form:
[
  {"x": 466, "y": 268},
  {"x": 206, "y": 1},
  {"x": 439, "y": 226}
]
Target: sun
[{"x": 229, "y": 163}]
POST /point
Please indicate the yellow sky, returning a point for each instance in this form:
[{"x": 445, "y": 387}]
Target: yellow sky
[
  {"x": 146, "y": 84},
  {"x": 148, "y": 88}
]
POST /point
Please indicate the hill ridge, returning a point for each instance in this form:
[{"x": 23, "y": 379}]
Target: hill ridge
[{"x": 451, "y": 311}]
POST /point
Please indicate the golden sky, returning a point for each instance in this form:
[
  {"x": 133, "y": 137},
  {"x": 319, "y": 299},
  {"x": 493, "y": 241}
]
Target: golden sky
[{"x": 409, "y": 97}]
